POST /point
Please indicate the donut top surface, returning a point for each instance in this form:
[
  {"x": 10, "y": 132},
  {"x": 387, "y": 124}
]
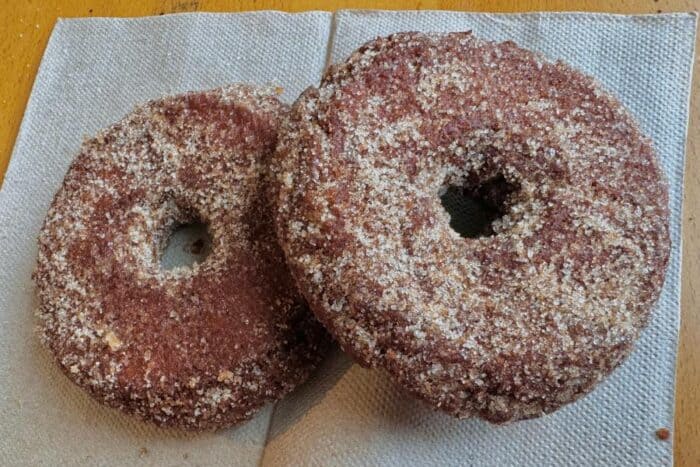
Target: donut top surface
[
  {"x": 198, "y": 347},
  {"x": 513, "y": 323}
]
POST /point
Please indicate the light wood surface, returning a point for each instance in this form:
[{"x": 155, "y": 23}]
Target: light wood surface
[{"x": 25, "y": 27}]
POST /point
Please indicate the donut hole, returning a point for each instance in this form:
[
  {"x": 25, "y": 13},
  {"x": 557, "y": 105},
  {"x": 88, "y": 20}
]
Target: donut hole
[
  {"x": 187, "y": 242},
  {"x": 473, "y": 207}
]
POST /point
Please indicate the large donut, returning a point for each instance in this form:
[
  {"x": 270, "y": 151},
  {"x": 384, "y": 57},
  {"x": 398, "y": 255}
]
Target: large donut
[
  {"x": 200, "y": 347},
  {"x": 511, "y": 324}
]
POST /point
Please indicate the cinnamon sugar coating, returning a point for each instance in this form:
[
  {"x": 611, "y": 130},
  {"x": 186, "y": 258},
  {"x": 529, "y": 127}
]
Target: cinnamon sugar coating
[
  {"x": 504, "y": 327},
  {"x": 196, "y": 348}
]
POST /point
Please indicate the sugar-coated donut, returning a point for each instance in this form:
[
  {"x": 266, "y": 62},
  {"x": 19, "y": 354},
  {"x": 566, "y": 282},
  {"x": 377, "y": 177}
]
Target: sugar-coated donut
[
  {"x": 196, "y": 348},
  {"x": 508, "y": 325}
]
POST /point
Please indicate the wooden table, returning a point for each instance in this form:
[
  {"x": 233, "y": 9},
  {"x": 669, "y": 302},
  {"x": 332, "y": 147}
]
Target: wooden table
[{"x": 25, "y": 27}]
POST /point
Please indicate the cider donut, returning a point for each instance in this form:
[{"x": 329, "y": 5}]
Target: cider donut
[
  {"x": 542, "y": 305},
  {"x": 196, "y": 348}
]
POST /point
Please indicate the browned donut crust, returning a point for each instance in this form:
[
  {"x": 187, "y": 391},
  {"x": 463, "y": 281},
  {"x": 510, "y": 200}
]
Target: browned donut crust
[
  {"x": 197, "y": 348},
  {"x": 507, "y": 326}
]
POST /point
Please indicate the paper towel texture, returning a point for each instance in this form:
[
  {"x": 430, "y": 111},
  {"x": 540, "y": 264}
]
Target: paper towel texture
[
  {"x": 361, "y": 419},
  {"x": 94, "y": 71}
]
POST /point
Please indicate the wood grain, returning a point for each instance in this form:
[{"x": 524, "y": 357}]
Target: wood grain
[{"x": 25, "y": 27}]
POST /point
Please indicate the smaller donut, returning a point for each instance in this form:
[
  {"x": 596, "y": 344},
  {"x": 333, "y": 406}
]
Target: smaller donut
[
  {"x": 197, "y": 348},
  {"x": 541, "y": 306}
]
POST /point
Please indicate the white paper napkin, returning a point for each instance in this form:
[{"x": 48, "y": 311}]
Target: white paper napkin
[{"x": 95, "y": 70}]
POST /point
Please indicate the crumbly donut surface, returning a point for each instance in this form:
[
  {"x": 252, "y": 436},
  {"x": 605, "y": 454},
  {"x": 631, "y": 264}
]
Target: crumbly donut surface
[
  {"x": 507, "y": 326},
  {"x": 197, "y": 348}
]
